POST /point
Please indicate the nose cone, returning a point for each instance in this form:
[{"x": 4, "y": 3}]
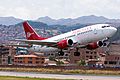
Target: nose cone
[{"x": 112, "y": 31}]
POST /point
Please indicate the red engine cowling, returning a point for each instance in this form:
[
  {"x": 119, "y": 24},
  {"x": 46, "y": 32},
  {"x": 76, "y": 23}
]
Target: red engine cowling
[
  {"x": 95, "y": 45},
  {"x": 65, "y": 43}
]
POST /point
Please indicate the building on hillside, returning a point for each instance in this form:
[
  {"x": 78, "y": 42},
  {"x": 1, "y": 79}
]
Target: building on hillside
[
  {"x": 29, "y": 60},
  {"x": 6, "y": 55},
  {"x": 104, "y": 56},
  {"x": 86, "y": 55},
  {"x": 112, "y": 58}
]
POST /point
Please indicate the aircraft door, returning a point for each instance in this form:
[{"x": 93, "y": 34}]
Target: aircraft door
[{"x": 95, "y": 31}]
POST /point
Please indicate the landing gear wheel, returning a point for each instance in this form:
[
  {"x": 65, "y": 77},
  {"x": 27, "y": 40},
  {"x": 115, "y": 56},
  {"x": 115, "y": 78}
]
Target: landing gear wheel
[
  {"x": 76, "y": 53},
  {"x": 104, "y": 44},
  {"x": 60, "y": 53}
]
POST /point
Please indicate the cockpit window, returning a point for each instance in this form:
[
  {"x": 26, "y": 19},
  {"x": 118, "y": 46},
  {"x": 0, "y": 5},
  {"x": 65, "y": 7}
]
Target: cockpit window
[{"x": 105, "y": 26}]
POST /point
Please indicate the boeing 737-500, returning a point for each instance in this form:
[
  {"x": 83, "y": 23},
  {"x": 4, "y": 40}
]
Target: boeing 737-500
[{"x": 91, "y": 37}]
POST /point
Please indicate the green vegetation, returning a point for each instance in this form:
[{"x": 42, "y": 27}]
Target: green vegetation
[
  {"x": 59, "y": 63},
  {"x": 52, "y": 58},
  {"x": 81, "y": 63},
  {"x": 63, "y": 71},
  {"x": 25, "y": 78}
]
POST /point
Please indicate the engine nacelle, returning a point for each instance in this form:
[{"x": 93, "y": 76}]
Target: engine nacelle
[
  {"x": 65, "y": 43},
  {"x": 95, "y": 45}
]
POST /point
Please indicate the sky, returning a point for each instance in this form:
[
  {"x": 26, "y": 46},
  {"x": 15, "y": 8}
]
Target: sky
[{"x": 56, "y": 9}]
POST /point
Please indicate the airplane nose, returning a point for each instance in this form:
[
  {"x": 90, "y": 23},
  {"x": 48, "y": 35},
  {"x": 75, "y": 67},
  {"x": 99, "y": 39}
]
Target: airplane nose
[
  {"x": 109, "y": 31},
  {"x": 114, "y": 30}
]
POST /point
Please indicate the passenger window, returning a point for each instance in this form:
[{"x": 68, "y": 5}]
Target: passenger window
[{"x": 105, "y": 26}]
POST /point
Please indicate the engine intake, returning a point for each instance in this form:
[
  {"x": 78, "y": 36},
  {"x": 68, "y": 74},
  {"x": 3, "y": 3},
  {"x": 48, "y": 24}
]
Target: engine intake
[
  {"x": 70, "y": 42},
  {"x": 100, "y": 43},
  {"x": 65, "y": 43}
]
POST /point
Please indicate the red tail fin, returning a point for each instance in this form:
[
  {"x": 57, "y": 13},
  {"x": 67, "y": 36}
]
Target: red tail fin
[{"x": 30, "y": 32}]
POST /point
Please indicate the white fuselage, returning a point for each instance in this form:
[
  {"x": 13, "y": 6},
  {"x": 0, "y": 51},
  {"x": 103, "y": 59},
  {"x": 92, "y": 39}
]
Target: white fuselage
[{"x": 81, "y": 36}]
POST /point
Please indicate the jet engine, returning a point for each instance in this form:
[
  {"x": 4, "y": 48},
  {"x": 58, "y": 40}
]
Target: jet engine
[
  {"x": 95, "y": 45},
  {"x": 65, "y": 43}
]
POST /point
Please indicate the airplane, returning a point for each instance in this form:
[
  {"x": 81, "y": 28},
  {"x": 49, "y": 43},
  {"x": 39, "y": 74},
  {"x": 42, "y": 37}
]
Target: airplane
[{"x": 90, "y": 37}]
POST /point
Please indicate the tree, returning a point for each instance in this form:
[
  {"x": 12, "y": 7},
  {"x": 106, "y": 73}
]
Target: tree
[
  {"x": 52, "y": 58},
  {"x": 81, "y": 63},
  {"x": 59, "y": 63}
]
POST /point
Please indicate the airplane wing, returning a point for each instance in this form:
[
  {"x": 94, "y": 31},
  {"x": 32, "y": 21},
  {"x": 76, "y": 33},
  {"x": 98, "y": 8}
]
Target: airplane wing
[
  {"x": 38, "y": 42},
  {"x": 19, "y": 45}
]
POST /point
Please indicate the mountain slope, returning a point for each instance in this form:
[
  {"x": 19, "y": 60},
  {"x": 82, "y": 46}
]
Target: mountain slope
[
  {"x": 9, "y": 20},
  {"x": 80, "y": 20}
]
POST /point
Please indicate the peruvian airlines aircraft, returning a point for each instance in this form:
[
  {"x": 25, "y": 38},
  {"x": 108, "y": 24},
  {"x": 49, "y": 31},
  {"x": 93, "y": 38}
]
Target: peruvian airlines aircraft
[{"x": 90, "y": 37}]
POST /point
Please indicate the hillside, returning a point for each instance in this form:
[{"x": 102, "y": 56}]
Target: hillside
[
  {"x": 92, "y": 19},
  {"x": 16, "y": 31},
  {"x": 9, "y": 21}
]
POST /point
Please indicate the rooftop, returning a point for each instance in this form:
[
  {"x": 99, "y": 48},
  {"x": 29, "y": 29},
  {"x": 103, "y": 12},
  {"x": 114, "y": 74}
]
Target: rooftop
[{"x": 26, "y": 56}]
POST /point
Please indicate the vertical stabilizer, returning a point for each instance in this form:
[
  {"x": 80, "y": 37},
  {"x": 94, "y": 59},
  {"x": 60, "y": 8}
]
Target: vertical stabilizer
[{"x": 31, "y": 33}]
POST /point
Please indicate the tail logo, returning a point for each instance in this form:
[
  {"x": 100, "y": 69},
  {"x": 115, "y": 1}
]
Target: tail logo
[{"x": 29, "y": 34}]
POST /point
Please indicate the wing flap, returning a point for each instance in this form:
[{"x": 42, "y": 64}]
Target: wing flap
[
  {"x": 17, "y": 45},
  {"x": 38, "y": 42}
]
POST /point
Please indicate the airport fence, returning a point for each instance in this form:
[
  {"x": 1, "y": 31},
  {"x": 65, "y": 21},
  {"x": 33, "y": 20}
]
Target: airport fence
[{"x": 60, "y": 67}]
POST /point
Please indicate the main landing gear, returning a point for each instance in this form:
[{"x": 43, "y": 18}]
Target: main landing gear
[
  {"x": 61, "y": 53},
  {"x": 77, "y": 53}
]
